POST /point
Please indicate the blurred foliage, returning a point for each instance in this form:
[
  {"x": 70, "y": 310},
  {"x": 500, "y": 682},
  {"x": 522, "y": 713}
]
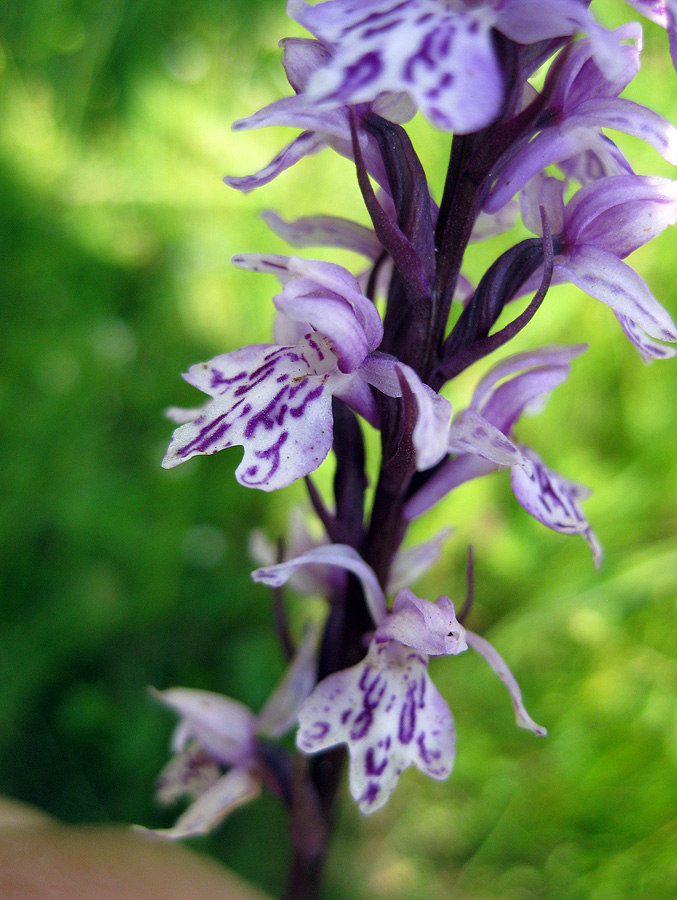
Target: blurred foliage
[{"x": 115, "y": 239}]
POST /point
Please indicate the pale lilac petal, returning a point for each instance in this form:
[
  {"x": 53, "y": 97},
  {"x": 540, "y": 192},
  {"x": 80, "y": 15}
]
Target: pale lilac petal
[
  {"x": 548, "y": 193},
  {"x": 302, "y": 299},
  {"x": 232, "y": 790},
  {"x": 224, "y": 727},
  {"x": 281, "y": 709},
  {"x": 430, "y": 628},
  {"x": 268, "y": 263},
  {"x": 608, "y": 279},
  {"x": 629, "y": 118},
  {"x": 340, "y": 555},
  {"x": 188, "y": 774},
  {"x": 300, "y": 58},
  {"x": 304, "y": 145},
  {"x": 472, "y": 433},
  {"x": 321, "y": 580},
  {"x": 325, "y": 231},
  {"x": 391, "y": 716},
  {"x": 412, "y": 562},
  {"x": 499, "y": 666},
  {"x": 553, "y": 500},
  {"x": 519, "y": 362},
  {"x": 339, "y": 280},
  {"x": 528, "y": 21},
  {"x": 550, "y": 146},
  {"x": 621, "y": 213},
  {"x": 274, "y": 401},
  {"x": 488, "y": 225},
  {"x": 524, "y": 392},
  {"x": 591, "y": 165}
]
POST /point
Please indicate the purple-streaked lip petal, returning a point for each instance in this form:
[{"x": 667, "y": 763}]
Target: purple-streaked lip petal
[{"x": 390, "y": 715}]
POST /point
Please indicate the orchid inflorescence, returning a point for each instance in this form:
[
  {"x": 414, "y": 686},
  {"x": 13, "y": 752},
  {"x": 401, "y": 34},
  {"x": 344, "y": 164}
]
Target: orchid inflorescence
[{"x": 378, "y": 347}]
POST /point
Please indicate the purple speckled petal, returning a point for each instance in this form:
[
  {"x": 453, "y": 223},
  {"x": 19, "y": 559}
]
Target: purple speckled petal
[
  {"x": 430, "y": 628},
  {"x": 224, "y": 727},
  {"x": 553, "y": 500},
  {"x": 443, "y": 57},
  {"x": 610, "y": 280},
  {"x": 499, "y": 666},
  {"x": 274, "y": 401},
  {"x": 232, "y": 790},
  {"x": 325, "y": 231},
  {"x": 391, "y": 716},
  {"x": 412, "y": 562},
  {"x": 472, "y": 433},
  {"x": 340, "y": 555}
]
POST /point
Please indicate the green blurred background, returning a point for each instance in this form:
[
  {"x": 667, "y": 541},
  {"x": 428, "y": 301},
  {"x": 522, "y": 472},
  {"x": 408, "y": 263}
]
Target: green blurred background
[{"x": 116, "y": 235}]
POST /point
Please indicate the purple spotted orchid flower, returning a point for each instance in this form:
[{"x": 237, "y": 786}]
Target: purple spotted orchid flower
[
  {"x": 386, "y": 708},
  {"x": 602, "y": 224},
  {"x": 216, "y": 733},
  {"x": 441, "y": 53},
  {"x": 275, "y": 399}
]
